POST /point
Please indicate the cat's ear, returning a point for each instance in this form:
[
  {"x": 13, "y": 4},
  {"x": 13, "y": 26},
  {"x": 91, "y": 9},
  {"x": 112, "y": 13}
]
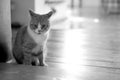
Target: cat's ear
[
  {"x": 31, "y": 13},
  {"x": 51, "y": 13}
]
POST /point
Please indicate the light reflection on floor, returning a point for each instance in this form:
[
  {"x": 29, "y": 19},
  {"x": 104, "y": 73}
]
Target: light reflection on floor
[
  {"x": 89, "y": 47},
  {"x": 73, "y": 49},
  {"x": 75, "y": 40}
]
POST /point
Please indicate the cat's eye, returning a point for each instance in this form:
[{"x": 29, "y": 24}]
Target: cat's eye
[
  {"x": 35, "y": 26},
  {"x": 43, "y": 26}
]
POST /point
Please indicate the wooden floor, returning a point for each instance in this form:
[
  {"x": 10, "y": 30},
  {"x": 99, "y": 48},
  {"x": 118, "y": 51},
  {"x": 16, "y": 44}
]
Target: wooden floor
[{"x": 86, "y": 50}]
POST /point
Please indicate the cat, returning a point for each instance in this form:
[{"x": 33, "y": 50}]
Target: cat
[{"x": 30, "y": 43}]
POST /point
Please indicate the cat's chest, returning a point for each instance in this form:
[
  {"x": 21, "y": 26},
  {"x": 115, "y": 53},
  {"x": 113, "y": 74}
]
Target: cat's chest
[{"x": 38, "y": 39}]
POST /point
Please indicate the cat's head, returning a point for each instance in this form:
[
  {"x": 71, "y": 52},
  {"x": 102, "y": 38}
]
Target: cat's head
[{"x": 40, "y": 23}]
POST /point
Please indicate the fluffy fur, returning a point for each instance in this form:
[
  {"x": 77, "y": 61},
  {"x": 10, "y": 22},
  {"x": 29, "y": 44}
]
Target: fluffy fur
[{"x": 30, "y": 43}]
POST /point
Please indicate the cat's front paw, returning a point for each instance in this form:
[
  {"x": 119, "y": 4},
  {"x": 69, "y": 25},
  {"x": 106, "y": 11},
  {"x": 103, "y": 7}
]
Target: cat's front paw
[{"x": 43, "y": 64}]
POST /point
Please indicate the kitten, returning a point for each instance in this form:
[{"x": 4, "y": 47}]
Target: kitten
[{"x": 30, "y": 43}]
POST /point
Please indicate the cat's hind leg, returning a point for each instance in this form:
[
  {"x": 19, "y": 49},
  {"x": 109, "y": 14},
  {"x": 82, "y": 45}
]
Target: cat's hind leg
[
  {"x": 27, "y": 59},
  {"x": 35, "y": 61}
]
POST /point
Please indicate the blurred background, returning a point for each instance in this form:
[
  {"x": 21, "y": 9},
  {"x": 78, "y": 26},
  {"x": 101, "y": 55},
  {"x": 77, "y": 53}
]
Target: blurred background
[{"x": 65, "y": 9}]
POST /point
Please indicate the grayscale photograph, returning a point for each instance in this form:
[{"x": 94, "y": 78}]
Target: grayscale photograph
[{"x": 59, "y": 39}]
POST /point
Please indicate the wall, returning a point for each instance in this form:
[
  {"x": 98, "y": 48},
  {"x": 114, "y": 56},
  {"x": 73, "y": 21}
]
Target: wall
[
  {"x": 91, "y": 3},
  {"x": 5, "y": 30},
  {"x": 20, "y": 11},
  {"x": 91, "y": 8},
  {"x": 40, "y": 7}
]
